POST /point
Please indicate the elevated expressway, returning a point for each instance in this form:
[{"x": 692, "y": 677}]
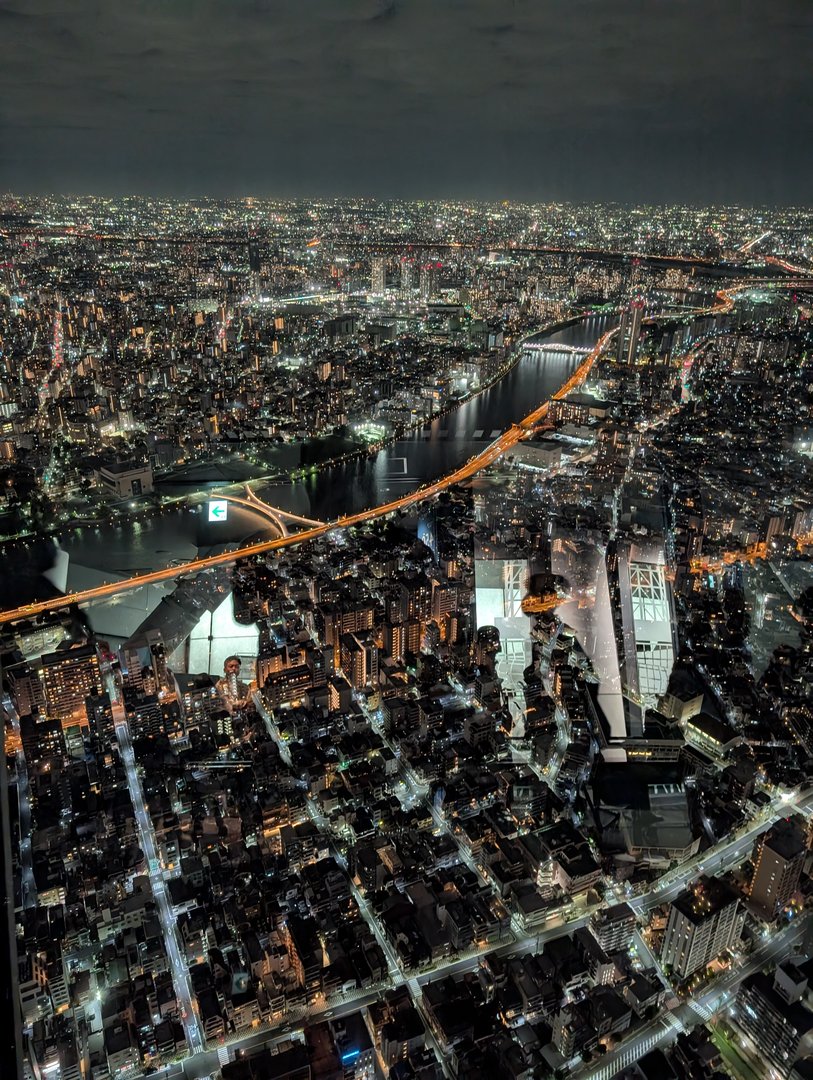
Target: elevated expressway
[
  {"x": 313, "y": 530},
  {"x": 470, "y": 468},
  {"x": 278, "y": 518}
]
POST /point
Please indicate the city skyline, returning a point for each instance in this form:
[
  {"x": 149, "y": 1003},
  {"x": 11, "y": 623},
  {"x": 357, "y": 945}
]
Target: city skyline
[
  {"x": 406, "y": 540},
  {"x": 406, "y": 638}
]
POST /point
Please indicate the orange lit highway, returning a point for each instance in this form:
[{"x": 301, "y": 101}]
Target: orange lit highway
[
  {"x": 509, "y": 439},
  {"x": 807, "y": 271},
  {"x": 474, "y": 465},
  {"x": 278, "y": 518}
]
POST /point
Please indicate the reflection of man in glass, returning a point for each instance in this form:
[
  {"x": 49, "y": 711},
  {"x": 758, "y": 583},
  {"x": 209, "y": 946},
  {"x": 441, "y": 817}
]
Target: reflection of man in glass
[{"x": 234, "y": 692}]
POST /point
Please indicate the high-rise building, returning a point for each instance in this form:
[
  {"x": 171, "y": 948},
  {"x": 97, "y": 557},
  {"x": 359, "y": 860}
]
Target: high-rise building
[
  {"x": 613, "y": 927},
  {"x": 197, "y": 697},
  {"x": 378, "y": 281},
  {"x": 487, "y": 645},
  {"x": 395, "y": 639},
  {"x": 348, "y": 618},
  {"x": 132, "y": 668},
  {"x": 427, "y": 525},
  {"x": 145, "y": 717},
  {"x": 644, "y": 622},
  {"x": 26, "y": 688},
  {"x": 407, "y": 270},
  {"x": 501, "y": 584},
  {"x": 254, "y": 267},
  {"x": 428, "y": 280},
  {"x": 770, "y": 1012},
  {"x": 100, "y": 717},
  {"x": 254, "y": 256},
  {"x": 778, "y": 862},
  {"x": 703, "y": 921},
  {"x": 359, "y": 661},
  {"x": 68, "y": 679},
  {"x": 415, "y": 598},
  {"x": 319, "y": 659},
  {"x": 444, "y": 598}
]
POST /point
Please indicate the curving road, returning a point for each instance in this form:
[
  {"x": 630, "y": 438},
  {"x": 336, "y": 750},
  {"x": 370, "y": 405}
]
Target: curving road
[
  {"x": 475, "y": 464},
  {"x": 279, "y": 519}
]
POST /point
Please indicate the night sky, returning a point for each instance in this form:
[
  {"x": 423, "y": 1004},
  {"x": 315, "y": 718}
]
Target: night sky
[{"x": 633, "y": 100}]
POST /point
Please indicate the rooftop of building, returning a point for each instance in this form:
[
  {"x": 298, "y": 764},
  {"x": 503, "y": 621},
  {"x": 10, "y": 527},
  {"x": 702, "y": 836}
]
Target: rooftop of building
[
  {"x": 786, "y": 837},
  {"x": 707, "y": 897}
]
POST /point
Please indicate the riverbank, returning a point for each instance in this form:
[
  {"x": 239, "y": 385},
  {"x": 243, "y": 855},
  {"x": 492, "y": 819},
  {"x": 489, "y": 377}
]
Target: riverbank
[
  {"x": 367, "y": 449},
  {"x": 156, "y": 534}
]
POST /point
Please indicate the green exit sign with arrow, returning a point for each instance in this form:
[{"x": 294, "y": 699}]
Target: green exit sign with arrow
[{"x": 218, "y": 509}]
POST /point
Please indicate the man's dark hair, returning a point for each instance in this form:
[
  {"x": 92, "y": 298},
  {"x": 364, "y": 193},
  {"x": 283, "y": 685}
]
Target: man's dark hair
[{"x": 230, "y": 658}]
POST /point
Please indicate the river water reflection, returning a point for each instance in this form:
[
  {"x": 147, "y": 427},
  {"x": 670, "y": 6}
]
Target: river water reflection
[{"x": 159, "y": 540}]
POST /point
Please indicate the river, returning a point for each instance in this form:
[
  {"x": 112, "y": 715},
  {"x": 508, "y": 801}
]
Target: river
[
  {"x": 447, "y": 442},
  {"x": 157, "y": 540}
]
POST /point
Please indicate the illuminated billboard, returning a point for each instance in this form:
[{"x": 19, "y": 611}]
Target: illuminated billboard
[{"x": 218, "y": 510}]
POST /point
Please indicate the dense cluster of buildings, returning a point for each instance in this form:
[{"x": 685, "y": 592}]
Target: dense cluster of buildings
[
  {"x": 514, "y": 783},
  {"x": 139, "y": 348}
]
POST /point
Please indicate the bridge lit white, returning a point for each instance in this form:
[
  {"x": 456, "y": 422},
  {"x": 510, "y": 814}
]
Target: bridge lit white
[{"x": 556, "y": 347}]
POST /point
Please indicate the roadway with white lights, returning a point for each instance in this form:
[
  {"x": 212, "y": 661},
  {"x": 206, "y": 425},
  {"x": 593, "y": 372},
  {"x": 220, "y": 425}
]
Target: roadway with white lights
[
  {"x": 562, "y": 920},
  {"x": 687, "y": 1014},
  {"x": 187, "y": 1005}
]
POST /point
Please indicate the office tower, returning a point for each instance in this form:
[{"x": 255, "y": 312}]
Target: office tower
[
  {"x": 629, "y": 333},
  {"x": 68, "y": 678},
  {"x": 778, "y": 861},
  {"x": 703, "y": 921},
  {"x": 770, "y": 1012},
  {"x": 100, "y": 717},
  {"x": 415, "y": 598},
  {"x": 379, "y": 275},
  {"x": 644, "y": 622},
  {"x": 613, "y": 927},
  {"x": 254, "y": 256},
  {"x": 407, "y": 268},
  {"x": 428, "y": 280}
]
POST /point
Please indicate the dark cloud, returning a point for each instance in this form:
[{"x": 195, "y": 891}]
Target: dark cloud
[
  {"x": 584, "y": 99},
  {"x": 10, "y": 13},
  {"x": 501, "y": 28},
  {"x": 384, "y": 14}
]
